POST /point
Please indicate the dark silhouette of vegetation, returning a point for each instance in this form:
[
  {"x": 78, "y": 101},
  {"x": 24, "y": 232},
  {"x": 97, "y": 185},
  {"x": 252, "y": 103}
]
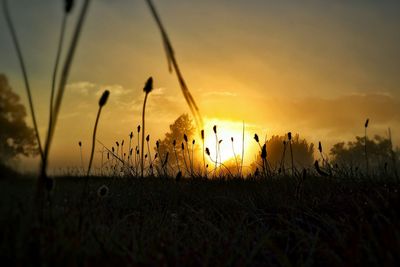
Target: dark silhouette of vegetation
[
  {"x": 173, "y": 140},
  {"x": 351, "y": 156},
  {"x": 173, "y": 64},
  {"x": 16, "y": 137},
  {"x": 278, "y": 158}
]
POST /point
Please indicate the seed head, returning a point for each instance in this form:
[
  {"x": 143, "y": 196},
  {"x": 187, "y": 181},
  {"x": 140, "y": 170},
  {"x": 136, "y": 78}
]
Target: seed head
[
  {"x": 289, "y": 136},
  {"x": 103, "y": 98},
  {"x": 232, "y": 139},
  {"x": 207, "y": 151},
  {"x": 366, "y": 123},
  {"x": 193, "y": 142},
  {"x": 117, "y": 143},
  {"x": 102, "y": 191},
  {"x": 80, "y": 143},
  {"x": 148, "y": 138},
  {"x": 69, "y": 4},
  {"x": 320, "y": 147},
  {"x": 185, "y": 137},
  {"x": 112, "y": 148},
  {"x": 256, "y": 138},
  {"x": 215, "y": 129},
  {"x": 131, "y": 135},
  {"x": 138, "y": 129},
  {"x": 158, "y": 144},
  {"x": 148, "y": 87},
  {"x": 183, "y": 146},
  {"x": 202, "y": 134},
  {"x": 122, "y": 143},
  {"x": 174, "y": 143},
  {"x": 264, "y": 152}
]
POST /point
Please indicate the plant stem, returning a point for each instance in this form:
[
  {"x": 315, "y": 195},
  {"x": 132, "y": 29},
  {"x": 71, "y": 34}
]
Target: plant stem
[
  {"x": 143, "y": 130},
  {"x": 24, "y": 73},
  {"x": 93, "y": 142}
]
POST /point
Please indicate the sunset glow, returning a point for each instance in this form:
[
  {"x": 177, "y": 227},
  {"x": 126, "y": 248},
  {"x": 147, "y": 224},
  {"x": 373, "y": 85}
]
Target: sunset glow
[
  {"x": 227, "y": 150},
  {"x": 317, "y": 69}
]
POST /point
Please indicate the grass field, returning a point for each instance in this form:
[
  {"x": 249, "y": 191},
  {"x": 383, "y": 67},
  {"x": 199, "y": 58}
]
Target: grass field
[{"x": 156, "y": 221}]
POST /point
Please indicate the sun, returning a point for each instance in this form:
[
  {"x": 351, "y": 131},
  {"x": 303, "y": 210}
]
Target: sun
[{"x": 227, "y": 143}]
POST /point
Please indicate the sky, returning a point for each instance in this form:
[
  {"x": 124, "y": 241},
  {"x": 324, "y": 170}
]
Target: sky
[{"x": 317, "y": 68}]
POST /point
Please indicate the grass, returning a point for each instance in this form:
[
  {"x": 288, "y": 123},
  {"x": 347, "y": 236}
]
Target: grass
[
  {"x": 268, "y": 220},
  {"x": 194, "y": 222}
]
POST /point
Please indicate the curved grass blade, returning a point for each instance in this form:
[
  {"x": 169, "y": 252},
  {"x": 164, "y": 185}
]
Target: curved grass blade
[
  {"x": 172, "y": 61},
  {"x": 24, "y": 72}
]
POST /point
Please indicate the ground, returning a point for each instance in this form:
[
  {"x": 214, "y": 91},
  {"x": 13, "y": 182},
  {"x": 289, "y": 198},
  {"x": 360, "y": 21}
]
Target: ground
[{"x": 197, "y": 222}]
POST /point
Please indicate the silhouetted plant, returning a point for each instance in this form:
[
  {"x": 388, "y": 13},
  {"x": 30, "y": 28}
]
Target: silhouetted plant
[
  {"x": 147, "y": 89},
  {"x": 204, "y": 160},
  {"x": 68, "y": 5},
  {"x": 234, "y": 155},
  {"x": 24, "y": 73},
  {"x": 102, "y": 102},
  {"x": 172, "y": 63},
  {"x": 63, "y": 79},
  {"x": 80, "y": 148},
  {"x": 291, "y": 151},
  {"x": 365, "y": 146}
]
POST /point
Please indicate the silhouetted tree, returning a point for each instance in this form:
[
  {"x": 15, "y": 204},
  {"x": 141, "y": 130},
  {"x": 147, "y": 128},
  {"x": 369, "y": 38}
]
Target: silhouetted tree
[
  {"x": 16, "y": 137},
  {"x": 278, "y": 154},
  {"x": 352, "y": 154},
  {"x": 182, "y": 126}
]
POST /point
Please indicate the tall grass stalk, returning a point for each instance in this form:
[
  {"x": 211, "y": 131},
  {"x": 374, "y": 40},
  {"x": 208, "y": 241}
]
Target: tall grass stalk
[
  {"x": 234, "y": 155},
  {"x": 241, "y": 164},
  {"x": 67, "y": 10},
  {"x": 282, "y": 165},
  {"x": 393, "y": 155},
  {"x": 149, "y": 153},
  {"x": 192, "y": 167},
  {"x": 176, "y": 156},
  {"x": 365, "y": 146},
  {"x": 102, "y": 102},
  {"x": 24, "y": 73},
  {"x": 216, "y": 148},
  {"x": 185, "y": 138},
  {"x": 82, "y": 165},
  {"x": 62, "y": 84},
  {"x": 172, "y": 64},
  {"x": 204, "y": 159},
  {"x": 148, "y": 87},
  {"x": 291, "y": 151},
  {"x": 184, "y": 157}
]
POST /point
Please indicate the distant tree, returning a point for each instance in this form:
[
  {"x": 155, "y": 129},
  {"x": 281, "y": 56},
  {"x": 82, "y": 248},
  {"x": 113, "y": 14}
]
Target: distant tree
[
  {"x": 16, "y": 137},
  {"x": 352, "y": 154},
  {"x": 182, "y": 126},
  {"x": 278, "y": 154}
]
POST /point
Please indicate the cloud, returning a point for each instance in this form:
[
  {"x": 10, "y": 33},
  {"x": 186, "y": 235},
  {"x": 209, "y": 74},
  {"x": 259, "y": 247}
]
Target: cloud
[
  {"x": 83, "y": 87},
  {"x": 219, "y": 93}
]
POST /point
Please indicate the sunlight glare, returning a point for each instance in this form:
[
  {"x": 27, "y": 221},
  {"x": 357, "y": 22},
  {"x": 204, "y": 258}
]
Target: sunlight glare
[{"x": 226, "y": 130}]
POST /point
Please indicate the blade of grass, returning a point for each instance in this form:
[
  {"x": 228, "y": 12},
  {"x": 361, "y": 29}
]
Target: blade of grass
[
  {"x": 24, "y": 73},
  {"x": 172, "y": 61}
]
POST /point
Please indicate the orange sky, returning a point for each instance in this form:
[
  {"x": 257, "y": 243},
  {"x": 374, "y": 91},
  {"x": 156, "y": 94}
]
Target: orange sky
[{"x": 316, "y": 68}]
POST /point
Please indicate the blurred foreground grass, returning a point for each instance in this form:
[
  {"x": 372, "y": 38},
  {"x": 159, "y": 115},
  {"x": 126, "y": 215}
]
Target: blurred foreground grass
[{"x": 153, "y": 221}]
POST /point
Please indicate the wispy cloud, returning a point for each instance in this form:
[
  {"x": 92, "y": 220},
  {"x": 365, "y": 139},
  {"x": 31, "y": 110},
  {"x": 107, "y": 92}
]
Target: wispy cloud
[{"x": 219, "y": 93}]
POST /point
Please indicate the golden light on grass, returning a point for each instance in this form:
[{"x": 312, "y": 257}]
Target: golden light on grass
[{"x": 227, "y": 129}]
